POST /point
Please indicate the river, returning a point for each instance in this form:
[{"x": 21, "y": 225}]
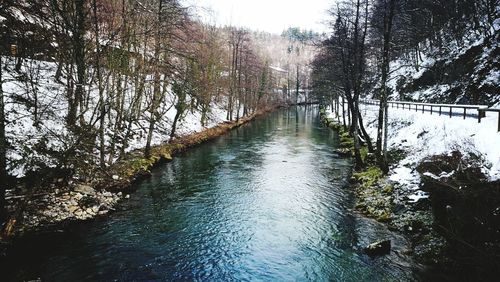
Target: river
[{"x": 269, "y": 202}]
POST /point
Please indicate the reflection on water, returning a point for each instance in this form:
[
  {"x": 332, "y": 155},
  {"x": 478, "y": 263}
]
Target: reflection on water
[{"x": 266, "y": 202}]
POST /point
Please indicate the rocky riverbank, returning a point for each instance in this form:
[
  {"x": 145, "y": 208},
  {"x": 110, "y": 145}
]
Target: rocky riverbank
[
  {"x": 386, "y": 201},
  {"x": 455, "y": 229},
  {"x": 62, "y": 203},
  {"x": 81, "y": 203}
]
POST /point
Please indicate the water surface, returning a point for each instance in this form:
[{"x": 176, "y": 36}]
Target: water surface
[{"x": 267, "y": 202}]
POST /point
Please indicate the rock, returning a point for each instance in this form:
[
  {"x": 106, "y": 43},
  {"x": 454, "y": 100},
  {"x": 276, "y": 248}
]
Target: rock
[
  {"x": 73, "y": 209},
  {"x": 84, "y": 189},
  {"x": 115, "y": 177},
  {"x": 107, "y": 194},
  {"x": 343, "y": 152},
  {"x": 119, "y": 194},
  {"x": 166, "y": 156},
  {"x": 95, "y": 209},
  {"x": 78, "y": 196},
  {"x": 378, "y": 248},
  {"x": 127, "y": 196}
]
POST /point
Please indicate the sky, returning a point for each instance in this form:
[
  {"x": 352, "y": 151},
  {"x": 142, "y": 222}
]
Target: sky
[{"x": 267, "y": 15}]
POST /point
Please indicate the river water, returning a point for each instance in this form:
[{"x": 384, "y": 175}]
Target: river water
[{"x": 267, "y": 202}]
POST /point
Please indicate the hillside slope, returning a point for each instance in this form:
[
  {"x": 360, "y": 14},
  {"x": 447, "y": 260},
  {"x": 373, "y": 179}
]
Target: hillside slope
[{"x": 466, "y": 74}]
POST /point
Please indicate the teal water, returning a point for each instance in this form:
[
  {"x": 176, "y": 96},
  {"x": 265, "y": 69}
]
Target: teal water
[{"x": 266, "y": 202}]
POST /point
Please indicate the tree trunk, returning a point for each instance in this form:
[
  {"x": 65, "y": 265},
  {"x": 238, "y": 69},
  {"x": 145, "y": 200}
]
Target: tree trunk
[
  {"x": 3, "y": 150},
  {"x": 297, "y": 86},
  {"x": 365, "y": 134},
  {"x": 102, "y": 145},
  {"x": 357, "y": 146},
  {"x": 79, "y": 56},
  {"x": 156, "y": 84},
  {"x": 383, "y": 108}
]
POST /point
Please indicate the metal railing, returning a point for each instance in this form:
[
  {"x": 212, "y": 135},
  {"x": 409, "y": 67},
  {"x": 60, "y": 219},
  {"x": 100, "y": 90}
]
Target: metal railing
[{"x": 479, "y": 111}]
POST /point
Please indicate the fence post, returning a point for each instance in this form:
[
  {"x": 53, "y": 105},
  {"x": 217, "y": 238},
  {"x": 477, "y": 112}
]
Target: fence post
[
  {"x": 439, "y": 110},
  {"x": 431, "y": 109},
  {"x": 465, "y": 112},
  {"x": 423, "y": 108},
  {"x": 499, "y": 121},
  {"x": 479, "y": 115},
  {"x": 451, "y": 110}
]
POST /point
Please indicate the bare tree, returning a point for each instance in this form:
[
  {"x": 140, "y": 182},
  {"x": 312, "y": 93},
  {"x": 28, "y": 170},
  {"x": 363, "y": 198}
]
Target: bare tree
[
  {"x": 388, "y": 8},
  {"x": 3, "y": 149}
]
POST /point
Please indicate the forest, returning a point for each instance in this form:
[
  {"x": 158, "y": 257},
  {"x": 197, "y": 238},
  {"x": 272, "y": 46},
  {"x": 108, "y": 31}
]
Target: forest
[
  {"x": 83, "y": 83},
  {"x": 384, "y": 75},
  {"x": 373, "y": 40}
]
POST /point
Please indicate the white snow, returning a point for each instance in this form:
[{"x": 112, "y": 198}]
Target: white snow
[
  {"x": 24, "y": 135},
  {"x": 422, "y": 135}
]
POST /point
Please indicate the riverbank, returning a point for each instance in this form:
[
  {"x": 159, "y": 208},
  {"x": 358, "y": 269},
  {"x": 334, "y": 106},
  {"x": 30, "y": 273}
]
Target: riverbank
[
  {"x": 448, "y": 211},
  {"x": 61, "y": 204},
  {"x": 378, "y": 198}
]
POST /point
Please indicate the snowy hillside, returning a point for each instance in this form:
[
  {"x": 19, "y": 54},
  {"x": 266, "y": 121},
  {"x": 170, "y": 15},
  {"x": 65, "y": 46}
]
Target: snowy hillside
[
  {"x": 466, "y": 74},
  {"x": 37, "y": 136},
  {"x": 421, "y": 135}
]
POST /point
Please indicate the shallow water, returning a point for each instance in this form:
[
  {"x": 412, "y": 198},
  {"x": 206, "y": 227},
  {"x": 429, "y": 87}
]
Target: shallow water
[{"x": 268, "y": 201}]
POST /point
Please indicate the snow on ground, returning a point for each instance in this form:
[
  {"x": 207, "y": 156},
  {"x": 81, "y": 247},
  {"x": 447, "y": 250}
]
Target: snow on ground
[
  {"x": 421, "y": 135},
  {"x": 36, "y": 82},
  {"x": 484, "y": 72}
]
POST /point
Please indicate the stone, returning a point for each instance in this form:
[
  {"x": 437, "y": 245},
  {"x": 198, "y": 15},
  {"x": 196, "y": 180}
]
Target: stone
[
  {"x": 95, "y": 209},
  {"x": 115, "y": 177},
  {"x": 378, "y": 248},
  {"x": 166, "y": 156},
  {"x": 107, "y": 194},
  {"x": 73, "y": 209},
  {"x": 119, "y": 194},
  {"x": 84, "y": 189},
  {"x": 343, "y": 152},
  {"x": 127, "y": 196},
  {"x": 78, "y": 197}
]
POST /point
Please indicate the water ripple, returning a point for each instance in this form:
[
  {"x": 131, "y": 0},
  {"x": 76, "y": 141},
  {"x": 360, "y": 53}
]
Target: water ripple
[{"x": 267, "y": 202}]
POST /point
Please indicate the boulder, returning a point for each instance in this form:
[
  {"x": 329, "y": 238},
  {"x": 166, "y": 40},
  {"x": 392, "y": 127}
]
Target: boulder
[
  {"x": 378, "y": 248},
  {"x": 84, "y": 189}
]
